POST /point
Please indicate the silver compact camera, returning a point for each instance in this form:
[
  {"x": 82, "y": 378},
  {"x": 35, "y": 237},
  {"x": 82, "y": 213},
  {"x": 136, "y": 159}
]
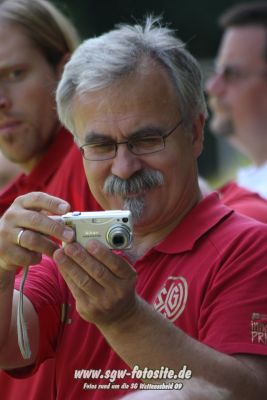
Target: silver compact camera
[{"x": 113, "y": 228}]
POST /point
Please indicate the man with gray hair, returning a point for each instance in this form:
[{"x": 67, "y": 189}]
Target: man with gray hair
[{"x": 189, "y": 298}]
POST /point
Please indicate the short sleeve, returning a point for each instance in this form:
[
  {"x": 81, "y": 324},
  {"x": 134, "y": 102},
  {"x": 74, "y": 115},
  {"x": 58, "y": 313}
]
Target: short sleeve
[{"x": 233, "y": 315}]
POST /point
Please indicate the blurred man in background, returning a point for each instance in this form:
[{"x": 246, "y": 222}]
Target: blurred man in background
[
  {"x": 38, "y": 40},
  {"x": 238, "y": 101}
]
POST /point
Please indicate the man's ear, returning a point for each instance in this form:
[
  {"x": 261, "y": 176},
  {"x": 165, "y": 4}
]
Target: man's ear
[
  {"x": 198, "y": 135},
  {"x": 61, "y": 64}
]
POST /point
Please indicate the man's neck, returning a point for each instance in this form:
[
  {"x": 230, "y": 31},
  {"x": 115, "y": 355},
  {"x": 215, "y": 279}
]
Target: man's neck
[
  {"x": 29, "y": 165},
  {"x": 252, "y": 147}
]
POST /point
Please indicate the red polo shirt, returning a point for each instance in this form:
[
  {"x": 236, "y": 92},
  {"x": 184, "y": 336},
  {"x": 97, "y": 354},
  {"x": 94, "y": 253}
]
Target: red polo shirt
[
  {"x": 244, "y": 201},
  {"x": 60, "y": 173},
  {"x": 208, "y": 277}
]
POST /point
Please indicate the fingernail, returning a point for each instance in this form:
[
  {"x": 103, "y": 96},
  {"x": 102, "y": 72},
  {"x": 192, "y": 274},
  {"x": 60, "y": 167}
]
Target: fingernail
[
  {"x": 62, "y": 207},
  {"x": 68, "y": 234}
]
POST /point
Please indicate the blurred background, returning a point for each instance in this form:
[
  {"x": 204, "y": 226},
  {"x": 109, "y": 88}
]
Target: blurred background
[{"x": 196, "y": 24}]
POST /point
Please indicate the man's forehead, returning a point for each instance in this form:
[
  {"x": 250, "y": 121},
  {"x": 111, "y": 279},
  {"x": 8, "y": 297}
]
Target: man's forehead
[
  {"x": 136, "y": 99},
  {"x": 16, "y": 48},
  {"x": 124, "y": 115},
  {"x": 116, "y": 106},
  {"x": 126, "y": 97},
  {"x": 244, "y": 43}
]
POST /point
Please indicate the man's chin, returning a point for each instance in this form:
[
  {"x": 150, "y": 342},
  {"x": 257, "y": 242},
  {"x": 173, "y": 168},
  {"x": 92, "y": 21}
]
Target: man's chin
[
  {"x": 221, "y": 127},
  {"x": 135, "y": 204}
]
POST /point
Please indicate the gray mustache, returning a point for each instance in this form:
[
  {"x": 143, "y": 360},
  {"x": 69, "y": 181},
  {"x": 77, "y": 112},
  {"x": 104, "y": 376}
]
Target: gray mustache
[{"x": 139, "y": 182}]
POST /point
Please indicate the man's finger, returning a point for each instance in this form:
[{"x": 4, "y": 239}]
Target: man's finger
[
  {"x": 35, "y": 221},
  {"x": 37, "y": 242},
  {"x": 117, "y": 265},
  {"x": 77, "y": 275},
  {"x": 43, "y": 201},
  {"x": 20, "y": 257}
]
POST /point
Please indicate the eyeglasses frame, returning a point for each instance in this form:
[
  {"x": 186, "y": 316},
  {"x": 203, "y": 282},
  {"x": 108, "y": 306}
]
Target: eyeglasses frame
[{"x": 128, "y": 143}]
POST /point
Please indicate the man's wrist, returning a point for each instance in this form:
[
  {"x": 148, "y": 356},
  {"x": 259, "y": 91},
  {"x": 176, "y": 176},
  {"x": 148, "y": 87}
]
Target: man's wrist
[
  {"x": 128, "y": 322},
  {"x": 6, "y": 278}
]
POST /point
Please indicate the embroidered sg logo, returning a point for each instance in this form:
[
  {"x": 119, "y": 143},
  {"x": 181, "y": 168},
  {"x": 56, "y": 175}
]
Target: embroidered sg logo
[{"x": 171, "y": 299}]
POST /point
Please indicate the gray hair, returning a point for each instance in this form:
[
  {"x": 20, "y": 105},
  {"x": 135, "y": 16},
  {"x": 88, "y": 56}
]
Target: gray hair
[{"x": 99, "y": 62}]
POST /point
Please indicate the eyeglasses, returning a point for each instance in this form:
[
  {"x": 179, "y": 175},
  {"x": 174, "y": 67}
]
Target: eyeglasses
[
  {"x": 104, "y": 149},
  {"x": 231, "y": 73}
]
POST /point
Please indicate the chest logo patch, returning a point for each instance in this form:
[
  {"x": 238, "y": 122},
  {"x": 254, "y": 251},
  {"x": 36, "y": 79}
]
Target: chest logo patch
[{"x": 172, "y": 297}]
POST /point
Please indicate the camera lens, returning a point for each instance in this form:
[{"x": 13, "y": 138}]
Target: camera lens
[
  {"x": 119, "y": 236},
  {"x": 118, "y": 240}
]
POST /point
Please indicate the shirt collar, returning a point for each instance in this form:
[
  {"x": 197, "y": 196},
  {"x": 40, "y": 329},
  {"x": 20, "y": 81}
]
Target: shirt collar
[{"x": 202, "y": 217}]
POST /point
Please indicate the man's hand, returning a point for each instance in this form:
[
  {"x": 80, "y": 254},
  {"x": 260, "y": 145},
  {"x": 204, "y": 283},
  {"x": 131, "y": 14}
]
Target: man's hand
[
  {"x": 29, "y": 213},
  {"x": 102, "y": 283}
]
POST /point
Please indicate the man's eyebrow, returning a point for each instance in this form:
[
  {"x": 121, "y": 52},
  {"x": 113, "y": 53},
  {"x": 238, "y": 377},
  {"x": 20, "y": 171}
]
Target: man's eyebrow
[
  {"x": 149, "y": 130},
  {"x": 93, "y": 137},
  {"x": 8, "y": 67}
]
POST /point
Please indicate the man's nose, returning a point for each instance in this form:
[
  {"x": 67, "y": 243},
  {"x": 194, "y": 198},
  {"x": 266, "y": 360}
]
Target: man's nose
[
  {"x": 214, "y": 84},
  {"x": 125, "y": 164}
]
